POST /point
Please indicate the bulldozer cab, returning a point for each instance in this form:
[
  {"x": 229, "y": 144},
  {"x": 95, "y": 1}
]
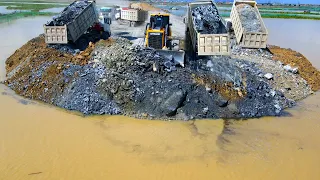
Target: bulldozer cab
[{"x": 159, "y": 21}]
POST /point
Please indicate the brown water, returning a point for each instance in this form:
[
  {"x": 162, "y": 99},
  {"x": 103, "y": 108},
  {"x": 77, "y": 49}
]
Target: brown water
[
  {"x": 42, "y": 142},
  {"x": 300, "y": 35}
]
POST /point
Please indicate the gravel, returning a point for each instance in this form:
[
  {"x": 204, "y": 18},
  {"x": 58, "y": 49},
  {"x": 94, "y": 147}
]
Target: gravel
[
  {"x": 136, "y": 79},
  {"x": 286, "y": 80},
  {"x": 206, "y": 19},
  {"x": 249, "y": 18},
  {"x": 81, "y": 95},
  {"x": 65, "y": 48}
]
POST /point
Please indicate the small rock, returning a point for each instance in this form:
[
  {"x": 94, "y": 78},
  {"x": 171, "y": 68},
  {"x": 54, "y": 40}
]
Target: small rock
[
  {"x": 86, "y": 54},
  {"x": 287, "y": 87},
  {"x": 79, "y": 57},
  {"x": 291, "y": 69},
  {"x": 167, "y": 64},
  {"x": 205, "y": 110},
  {"x": 208, "y": 89},
  {"x": 144, "y": 115},
  {"x": 268, "y": 76},
  {"x": 155, "y": 67},
  {"x": 223, "y": 103},
  {"x": 209, "y": 64},
  {"x": 295, "y": 70},
  {"x": 76, "y": 51},
  {"x": 278, "y": 108},
  {"x": 272, "y": 93}
]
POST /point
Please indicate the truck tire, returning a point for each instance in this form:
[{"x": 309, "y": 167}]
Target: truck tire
[
  {"x": 105, "y": 35},
  {"x": 82, "y": 43}
]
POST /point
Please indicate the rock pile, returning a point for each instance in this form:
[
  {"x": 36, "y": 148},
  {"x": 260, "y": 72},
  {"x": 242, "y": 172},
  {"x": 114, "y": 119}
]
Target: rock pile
[
  {"x": 68, "y": 14},
  {"x": 123, "y": 79},
  {"x": 249, "y": 18},
  {"x": 206, "y": 19},
  {"x": 123, "y": 57},
  {"x": 82, "y": 95}
]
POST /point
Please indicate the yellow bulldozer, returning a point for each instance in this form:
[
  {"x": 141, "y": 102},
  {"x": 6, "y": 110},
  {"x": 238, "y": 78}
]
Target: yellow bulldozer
[{"x": 158, "y": 35}]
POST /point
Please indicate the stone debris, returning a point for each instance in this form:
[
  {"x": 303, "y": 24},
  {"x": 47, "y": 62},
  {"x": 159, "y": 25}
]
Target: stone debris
[
  {"x": 291, "y": 69},
  {"x": 249, "y": 18},
  {"x": 121, "y": 78},
  {"x": 206, "y": 19},
  {"x": 69, "y": 13},
  {"x": 282, "y": 80},
  {"x": 268, "y": 76},
  {"x": 64, "y": 48}
]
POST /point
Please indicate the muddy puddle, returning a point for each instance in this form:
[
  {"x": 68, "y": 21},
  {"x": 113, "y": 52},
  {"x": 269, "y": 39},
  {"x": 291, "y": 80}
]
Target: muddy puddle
[{"x": 38, "y": 141}]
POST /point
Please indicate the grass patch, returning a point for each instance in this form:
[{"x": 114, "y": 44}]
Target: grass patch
[
  {"x": 280, "y": 16},
  {"x": 13, "y": 16},
  {"x": 31, "y": 7},
  {"x": 289, "y": 16}
]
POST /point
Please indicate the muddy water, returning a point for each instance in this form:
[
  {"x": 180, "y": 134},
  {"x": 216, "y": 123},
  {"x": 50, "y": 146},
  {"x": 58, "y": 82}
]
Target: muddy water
[
  {"x": 42, "y": 142},
  {"x": 299, "y": 35},
  {"x": 16, "y": 33}
]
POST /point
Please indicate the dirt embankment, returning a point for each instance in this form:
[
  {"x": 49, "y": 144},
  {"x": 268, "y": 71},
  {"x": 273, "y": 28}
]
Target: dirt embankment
[
  {"x": 296, "y": 59},
  {"x": 144, "y": 6},
  {"x": 35, "y": 71},
  {"x": 114, "y": 77}
]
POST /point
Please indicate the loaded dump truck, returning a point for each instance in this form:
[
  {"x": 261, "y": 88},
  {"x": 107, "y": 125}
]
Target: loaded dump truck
[
  {"x": 79, "y": 24},
  {"x": 207, "y": 30},
  {"x": 132, "y": 15},
  {"x": 248, "y": 25}
]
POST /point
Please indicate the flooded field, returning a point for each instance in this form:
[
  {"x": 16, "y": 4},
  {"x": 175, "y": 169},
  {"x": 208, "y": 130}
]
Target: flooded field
[{"x": 38, "y": 141}]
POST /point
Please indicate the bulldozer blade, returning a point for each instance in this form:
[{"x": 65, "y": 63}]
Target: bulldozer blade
[{"x": 177, "y": 56}]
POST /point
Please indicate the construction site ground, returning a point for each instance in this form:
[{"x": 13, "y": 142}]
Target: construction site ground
[{"x": 120, "y": 76}]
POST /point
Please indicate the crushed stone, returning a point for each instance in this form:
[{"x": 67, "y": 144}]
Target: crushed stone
[
  {"x": 249, "y": 18},
  {"x": 206, "y": 19}
]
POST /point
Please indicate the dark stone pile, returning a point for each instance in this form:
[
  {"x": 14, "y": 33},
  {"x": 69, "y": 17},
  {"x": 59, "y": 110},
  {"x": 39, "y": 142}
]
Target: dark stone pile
[
  {"x": 206, "y": 19},
  {"x": 69, "y": 13}
]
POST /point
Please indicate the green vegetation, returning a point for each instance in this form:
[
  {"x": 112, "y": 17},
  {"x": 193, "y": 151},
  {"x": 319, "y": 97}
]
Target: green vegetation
[
  {"x": 289, "y": 16},
  {"x": 13, "y": 16},
  {"x": 31, "y": 7},
  {"x": 281, "y": 16}
]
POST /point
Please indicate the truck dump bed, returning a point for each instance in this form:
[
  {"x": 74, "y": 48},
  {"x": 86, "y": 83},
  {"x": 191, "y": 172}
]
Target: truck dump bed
[
  {"x": 208, "y": 44},
  {"x": 74, "y": 28},
  {"x": 244, "y": 38},
  {"x": 134, "y": 15}
]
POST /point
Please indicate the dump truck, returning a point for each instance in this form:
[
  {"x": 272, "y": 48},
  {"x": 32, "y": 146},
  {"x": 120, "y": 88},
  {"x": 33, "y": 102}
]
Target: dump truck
[
  {"x": 132, "y": 15},
  {"x": 79, "y": 24},
  {"x": 244, "y": 38},
  {"x": 206, "y": 44}
]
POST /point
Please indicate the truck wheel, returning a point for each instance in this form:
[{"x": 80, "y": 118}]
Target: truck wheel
[
  {"x": 105, "y": 35},
  {"x": 82, "y": 43}
]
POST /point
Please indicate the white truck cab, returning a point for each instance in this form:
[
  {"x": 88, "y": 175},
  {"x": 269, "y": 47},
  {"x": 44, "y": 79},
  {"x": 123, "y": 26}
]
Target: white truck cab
[{"x": 105, "y": 19}]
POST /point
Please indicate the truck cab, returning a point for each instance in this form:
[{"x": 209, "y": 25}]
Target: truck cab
[
  {"x": 105, "y": 18},
  {"x": 105, "y": 22},
  {"x": 105, "y": 11}
]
